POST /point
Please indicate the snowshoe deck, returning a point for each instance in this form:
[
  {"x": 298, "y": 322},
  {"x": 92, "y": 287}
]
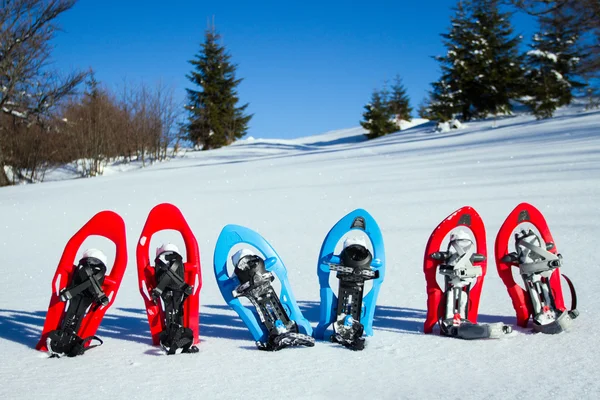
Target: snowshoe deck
[
  {"x": 350, "y": 311},
  {"x": 536, "y": 256},
  {"x": 170, "y": 288},
  {"x": 80, "y": 288},
  {"x": 274, "y": 321},
  {"x": 463, "y": 266}
]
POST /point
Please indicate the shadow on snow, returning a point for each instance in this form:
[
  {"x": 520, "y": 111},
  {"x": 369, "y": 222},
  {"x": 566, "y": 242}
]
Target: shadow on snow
[{"x": 25, "y": 327}]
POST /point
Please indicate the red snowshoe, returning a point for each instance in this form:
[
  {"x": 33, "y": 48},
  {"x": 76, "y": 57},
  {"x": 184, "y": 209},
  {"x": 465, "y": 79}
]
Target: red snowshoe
[
  {"x": 170, "y": 288},
  {"x": 463, "y": 265},
  {"x": 82, "y": 293},
  {"x": 538, "y": 260}
]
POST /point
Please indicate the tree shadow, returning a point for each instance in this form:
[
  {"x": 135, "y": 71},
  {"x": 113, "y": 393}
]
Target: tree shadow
[
  {"x": 25, "y": 327},
  {"x": 403, "y": 320},
  {"x": 131, "y": 324},
  {"x": 387, "y": 318}
]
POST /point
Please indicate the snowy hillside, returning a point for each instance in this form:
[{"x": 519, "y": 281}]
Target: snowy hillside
[{"x": 292, "y": 192}]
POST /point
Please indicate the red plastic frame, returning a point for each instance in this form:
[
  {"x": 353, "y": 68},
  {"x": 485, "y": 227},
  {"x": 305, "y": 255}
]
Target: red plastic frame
[
  {"x": 111, "y": 226},
  {"x": 167, "y": 216},
  {"x": 524, "y": 212},
  {"x": 465, "y": 216}
]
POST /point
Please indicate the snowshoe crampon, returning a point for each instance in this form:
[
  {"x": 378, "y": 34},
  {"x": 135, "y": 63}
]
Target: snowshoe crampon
[
  {"x": 170, "y": 287},
  {"x": 351, "y": 311},
  {"x": 536, "y": 255},
  {"x": 275, "y": 321},
  {"x": 82, "y": 293},
  {"x": 463, "y": 265}
]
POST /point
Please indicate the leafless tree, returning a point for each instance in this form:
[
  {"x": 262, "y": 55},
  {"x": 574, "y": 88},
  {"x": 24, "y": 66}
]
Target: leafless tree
[{"x": 29, "y": 90}]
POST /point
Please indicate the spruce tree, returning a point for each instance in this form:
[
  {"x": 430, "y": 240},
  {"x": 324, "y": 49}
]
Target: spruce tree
[
  {"x": 377, "y": 117},
  {"x": 443, "y": 102},
  {"x": 552, "y": 63},
  {"x": 424, "y": 108},
  {"x": 498, "y": 73},
  {"x": 398, "y": 102},
  {"x": 215, "y": 119},
  {"x": 453, "y": 92}
]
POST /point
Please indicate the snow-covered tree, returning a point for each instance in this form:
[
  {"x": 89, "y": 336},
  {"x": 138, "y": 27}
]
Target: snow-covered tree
[
  {"x": 398, "y": 102},
  {"x": 451, "y": 94},
  {"x": 215, "y": 119},
  {"x": 552, "y": 64},
  {"x": 584, "y": 18},
  {"x": 444, "y": 102},
  {"x": 498, "y": 70},
  {"x": 377, "y": 116}
]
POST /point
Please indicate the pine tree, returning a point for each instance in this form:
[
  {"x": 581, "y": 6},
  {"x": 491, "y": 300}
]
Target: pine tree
[
  {"x": 377, "y": 117},
  {"x": 424, "y": 108},
  {"x": 552, "y": 63},
  {"x": 443, "y": 102},
  {"x": 452, "y": 93},
  {"x": 398, "y": 102},
  {"x": 498, "y": 73},
  {"x": 215, "y": 119}
]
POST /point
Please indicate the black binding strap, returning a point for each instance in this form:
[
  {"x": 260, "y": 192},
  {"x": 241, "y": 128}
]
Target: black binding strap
[
  {"x": 84, "y": 293},
  {"x": 573, "y": 311},
  {"x": 173, "y": 290}
]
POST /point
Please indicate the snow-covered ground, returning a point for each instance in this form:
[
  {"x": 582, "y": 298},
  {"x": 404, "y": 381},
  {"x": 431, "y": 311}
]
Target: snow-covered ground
[{"x": 292, "y": 192}]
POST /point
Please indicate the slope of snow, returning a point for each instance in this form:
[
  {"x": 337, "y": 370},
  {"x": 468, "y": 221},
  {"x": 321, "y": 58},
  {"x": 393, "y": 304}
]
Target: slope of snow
[{"x": 292, "y": 194}]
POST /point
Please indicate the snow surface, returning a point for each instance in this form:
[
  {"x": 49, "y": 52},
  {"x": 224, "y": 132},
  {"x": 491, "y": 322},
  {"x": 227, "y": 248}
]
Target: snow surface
[{"x": 292, "y": 192}]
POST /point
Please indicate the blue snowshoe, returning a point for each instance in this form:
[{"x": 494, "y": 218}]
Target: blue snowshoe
[
  {"x": 351, "y": 311},
  {"x": 275, "y": 322}
]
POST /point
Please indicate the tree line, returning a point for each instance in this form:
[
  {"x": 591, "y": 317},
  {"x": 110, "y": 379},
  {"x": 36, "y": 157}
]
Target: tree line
[
  {"x": 49, "y": 119},
  {"x": 484, "y": 72}
]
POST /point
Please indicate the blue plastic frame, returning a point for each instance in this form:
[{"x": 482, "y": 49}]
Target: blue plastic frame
[
  {"x": 230, "y": 236},
  {"x": 329, "y": 299}
]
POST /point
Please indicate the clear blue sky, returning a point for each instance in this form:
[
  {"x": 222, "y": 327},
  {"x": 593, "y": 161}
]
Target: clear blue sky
[{"x": 308, "y": 66}]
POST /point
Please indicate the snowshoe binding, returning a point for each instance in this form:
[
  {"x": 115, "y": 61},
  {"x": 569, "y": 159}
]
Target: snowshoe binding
[
  {"x": 538, "y": 261},
  {"x": 83, "y": 292},
  {"x": 171, "y": 287},
  {"x": 274, "y": 320},
  {"x": 353, "y": 271},
  {"x": 172, "y": 291},
  {"x": 255, "y": 285},
  {"x": 351, "y": 312},
  {"x": 463, "y": 266}
]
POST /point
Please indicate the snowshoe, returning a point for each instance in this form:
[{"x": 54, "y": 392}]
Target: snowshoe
[
  {"x": 463, "y": 265},
  {"x": 275, "y": 322},
  {"x": 170, "y": 288},
  {"x": 351, "y": 312},
  {"x": 538, "y": 260},
  {"x": 82, "y": 293}
]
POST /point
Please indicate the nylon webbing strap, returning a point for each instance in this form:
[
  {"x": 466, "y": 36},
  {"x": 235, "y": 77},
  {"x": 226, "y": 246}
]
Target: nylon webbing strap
[
  {"x": 92, "y": 282},
  {"x": 550, "y": 260}
]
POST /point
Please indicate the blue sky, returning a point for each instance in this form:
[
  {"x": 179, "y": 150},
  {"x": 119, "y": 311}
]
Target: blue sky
[{"x": 308, "y": 66}]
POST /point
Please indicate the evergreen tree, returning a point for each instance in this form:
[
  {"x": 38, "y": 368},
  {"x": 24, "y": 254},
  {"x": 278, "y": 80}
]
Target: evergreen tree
[
  {"x": 552, "y": 63},
  {"x": 398, "y": 102},
  {"x": 498, "y": 73},
  {"x": 215, "y": 118},
  {"x": 453, "y": 92},
  {"x": 424, "y": 108},
  {"x": 377, "y": 117},
  {"x": 443, "y": 102}
]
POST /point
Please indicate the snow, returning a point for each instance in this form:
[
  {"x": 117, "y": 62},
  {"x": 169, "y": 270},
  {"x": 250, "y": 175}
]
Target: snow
[
  {"x": 543, "y": 54},
  {"x": 292, "y": 192},
  {"x": 557, "y": 75}
]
